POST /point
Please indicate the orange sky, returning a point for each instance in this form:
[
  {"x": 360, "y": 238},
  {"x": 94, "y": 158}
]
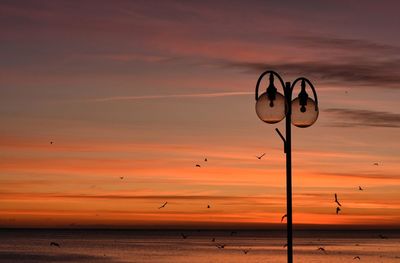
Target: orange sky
[{"x": 146, "y": 91}]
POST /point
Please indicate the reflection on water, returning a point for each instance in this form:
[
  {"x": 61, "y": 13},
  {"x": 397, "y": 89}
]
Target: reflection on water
[{"x": 170, "y": 246}]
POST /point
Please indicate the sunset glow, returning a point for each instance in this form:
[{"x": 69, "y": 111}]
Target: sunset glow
[{"x": 106, "y": 109}]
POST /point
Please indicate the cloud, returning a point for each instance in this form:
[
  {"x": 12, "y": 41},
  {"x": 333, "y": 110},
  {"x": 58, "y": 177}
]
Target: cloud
[
  {"x": 148, "y": 197},
  {"x": 364, "y": 175},
  {"x": 366, "y": 118},
  {"x": 271, "y": 199},
  {"x": 345, "y": 44},
  {"x": 347, "y": 73},
  {"x": 118, "y": 197},
  {"x": 356, "y": 62},
  {"x": 177, "y": 96},
  {"x": 14, "y": 256}
]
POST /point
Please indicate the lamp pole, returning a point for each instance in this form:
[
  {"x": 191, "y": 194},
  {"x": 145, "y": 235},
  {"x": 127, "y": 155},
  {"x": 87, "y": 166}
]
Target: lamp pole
[
  {"x": 288, "y": 151},
  {"x": 272, "y": 107}
]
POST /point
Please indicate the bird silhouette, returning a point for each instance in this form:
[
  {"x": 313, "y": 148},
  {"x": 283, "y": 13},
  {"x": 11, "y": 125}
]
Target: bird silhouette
[
  {"x": 360, "y": 188},
  {"x": 338, "y": 210},
  {"x": 205, "y": 159},
  {"x": 54, "y": 244},
  {"x": 213, "y": 240},
  {"x": 321, "y": 249},
  {"x": 245, "y": 251},
  {"x": 184, "y": 236},
  {"x": 382, "y": 236},
  {"x": 336, "y": 200},
  {"x": 283, "y": 217},
  {"x": 220, "y": 246},
  {"x": 357, "y": 257},
  {"x": 208, "y": 206},
  {"x": 233, "y": 233},
  {"x": 51, "y": 142},
  {"x": 376, "y": 164},
  {"x": 261, "y": 156},
  {"x": 198, "y": 165},
  {"x": 121, "y": 177},
  {"x": 163, "y": 205}
]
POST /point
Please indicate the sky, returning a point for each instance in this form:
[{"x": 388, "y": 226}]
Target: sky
[{"x": 145, "y": 90}]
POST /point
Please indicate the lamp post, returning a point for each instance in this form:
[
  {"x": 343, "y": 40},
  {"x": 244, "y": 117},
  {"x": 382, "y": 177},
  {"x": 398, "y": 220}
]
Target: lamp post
[{"x": 272, "y": 107}]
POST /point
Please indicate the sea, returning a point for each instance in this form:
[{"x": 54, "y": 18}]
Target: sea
[{"x": 193, "y": 246}]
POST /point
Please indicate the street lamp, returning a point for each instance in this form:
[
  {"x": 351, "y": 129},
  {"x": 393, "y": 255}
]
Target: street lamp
[{"x": 272, "y": 107}]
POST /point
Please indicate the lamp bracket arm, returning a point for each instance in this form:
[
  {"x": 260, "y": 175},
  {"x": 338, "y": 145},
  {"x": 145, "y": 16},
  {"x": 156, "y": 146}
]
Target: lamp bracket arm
[{"x": 283, "y": 139}]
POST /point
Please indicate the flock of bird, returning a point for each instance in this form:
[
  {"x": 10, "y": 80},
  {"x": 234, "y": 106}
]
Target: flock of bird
[{"x": 245, "y": 251}]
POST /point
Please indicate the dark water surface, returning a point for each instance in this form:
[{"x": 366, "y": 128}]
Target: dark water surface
[{"x": 169, "y": 246}]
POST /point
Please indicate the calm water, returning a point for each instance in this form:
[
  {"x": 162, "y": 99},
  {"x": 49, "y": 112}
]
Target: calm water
[{"x": 169, "y": 246}]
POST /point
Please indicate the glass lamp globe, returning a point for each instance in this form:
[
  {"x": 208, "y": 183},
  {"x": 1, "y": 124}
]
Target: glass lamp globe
[
  {"x": 304, "y": 116},
  {"x": 271, "y": 111}
]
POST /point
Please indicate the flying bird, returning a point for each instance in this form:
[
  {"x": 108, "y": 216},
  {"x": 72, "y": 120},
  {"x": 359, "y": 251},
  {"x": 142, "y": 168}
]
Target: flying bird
[
  {"x": 321, "y": 249},
  {"x": 54, "y": 244},
  {"x": 360, "y": 188},
  {"x": 208, "y": 206},
  {"x": 220, "y": 246},
  {"x": 184, "y": 236},
  {"x": 121, "y": 177},
  {"x": 261, "y": 156},
  {"x": 205, "y": 159},
  {"x": 382, "y": 236},
  {"x": 213, "y": 240},
  {"x": 357, "y": 257},
  {"x": 283, "y": 217},
  {"x": 376, "y": 164},
  {"x": 336, "y": 200},
  {"x": 338, "y": 210},
  {"x": 246, "y": 250},
  {"x": 198, "y": 165},
  {"x": 51, "y": 142},
  {"x": 163, "y": 205}
]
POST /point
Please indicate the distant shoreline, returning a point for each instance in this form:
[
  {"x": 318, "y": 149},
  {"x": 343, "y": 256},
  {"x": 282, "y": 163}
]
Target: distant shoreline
[
  {"x": 216, "y": 227},
  {"x": 262, "y": 233}
]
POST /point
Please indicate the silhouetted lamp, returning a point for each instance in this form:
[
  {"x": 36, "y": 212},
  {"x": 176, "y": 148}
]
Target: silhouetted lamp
[
  {"x": 272, "y": 107},
  {"x": 304, "y": 110}
]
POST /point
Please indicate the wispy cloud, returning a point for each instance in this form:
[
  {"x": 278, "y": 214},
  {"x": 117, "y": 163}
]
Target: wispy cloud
[
  {"x": 345, "y": 44},
  {"x": 364, "y": 175},
  {"x": 23, "y": 196},
  {"x": 346, "y": 61},
  {"x": 355, "y": 117},
  {"x": 346, "y": 72},
  {"x": 177, "y": 96},
  {"x": 11, "y": 256}
]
